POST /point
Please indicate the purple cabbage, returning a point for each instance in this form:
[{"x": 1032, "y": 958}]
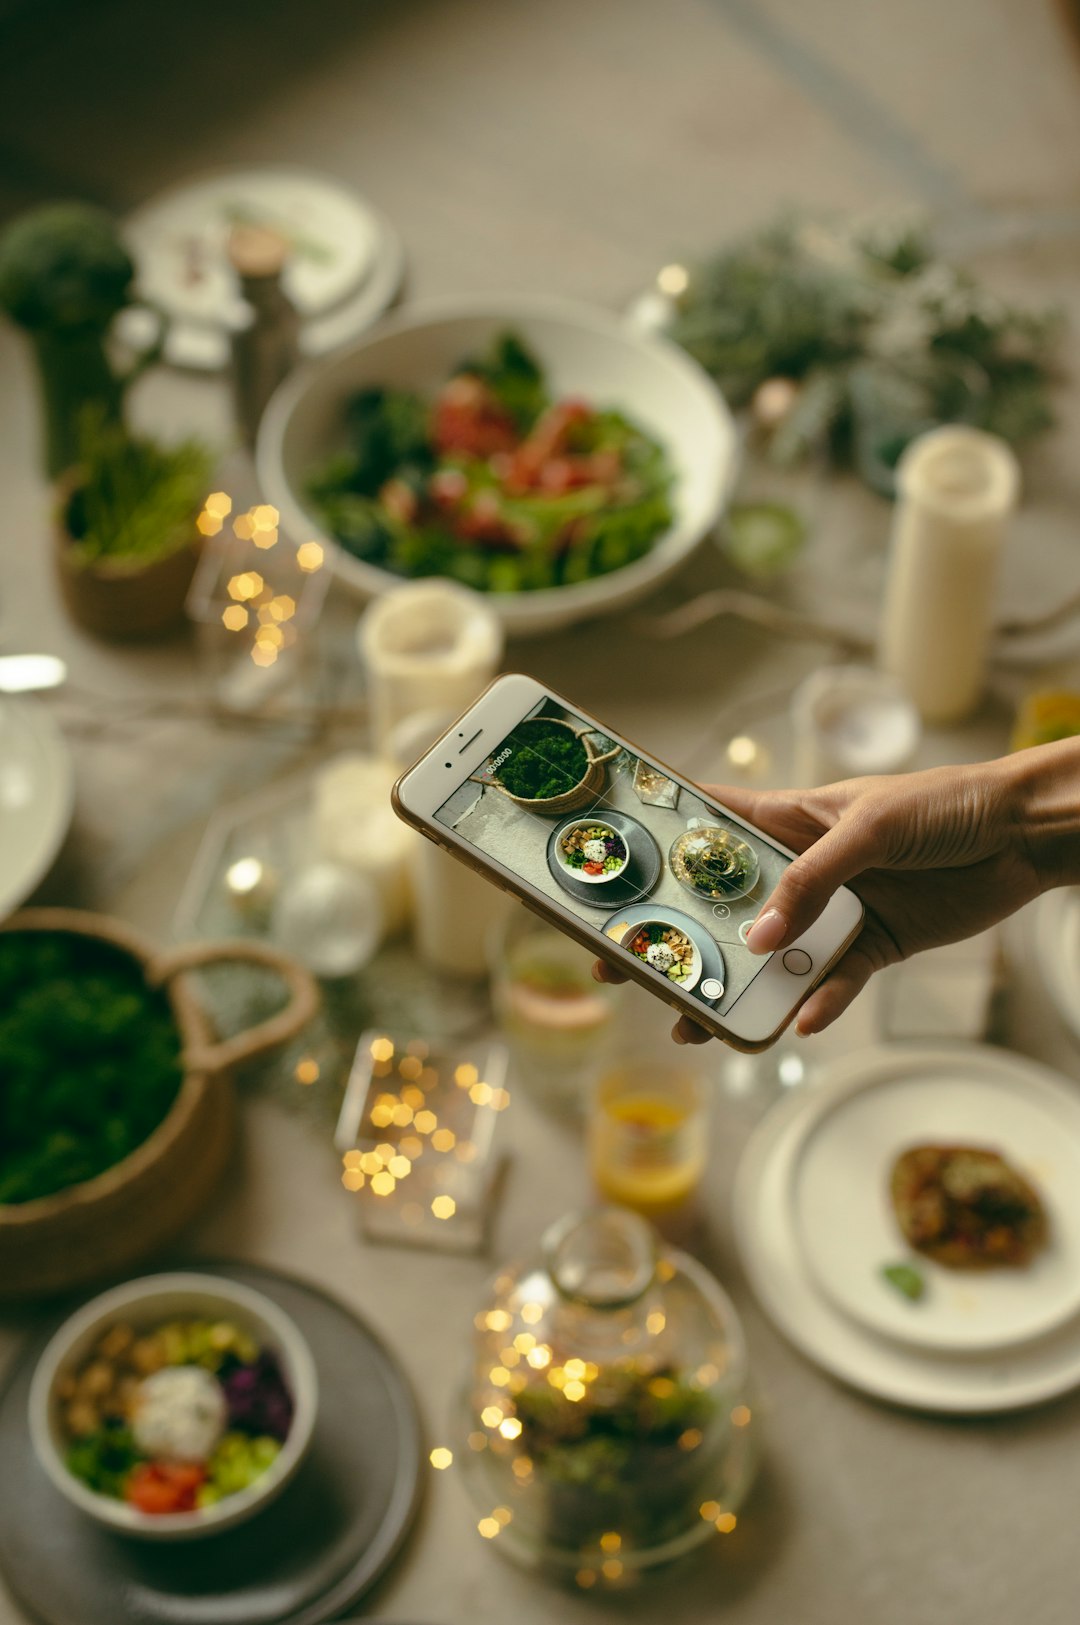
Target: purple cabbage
[{"x": 259, "y": 1401}]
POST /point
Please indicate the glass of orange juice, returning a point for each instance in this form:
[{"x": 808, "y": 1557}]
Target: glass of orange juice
[{"x": 648, "y": 1133}]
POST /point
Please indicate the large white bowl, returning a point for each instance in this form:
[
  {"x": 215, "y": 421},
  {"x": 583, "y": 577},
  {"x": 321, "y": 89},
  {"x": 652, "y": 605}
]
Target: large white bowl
[
  {"x": 583, "y": 352},
  {"x": 144, "y": 1304}
]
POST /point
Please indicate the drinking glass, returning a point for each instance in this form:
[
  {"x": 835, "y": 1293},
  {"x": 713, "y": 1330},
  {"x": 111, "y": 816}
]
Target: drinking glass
[{"x": 648, "y": 1132}]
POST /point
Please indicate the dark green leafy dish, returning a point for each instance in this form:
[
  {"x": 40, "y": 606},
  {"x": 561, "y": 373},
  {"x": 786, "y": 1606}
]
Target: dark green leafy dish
[
  {"x": 89, "y": 1060},
  {"x": 545, "y": 760},
  {"x": 494, "y": 483}
]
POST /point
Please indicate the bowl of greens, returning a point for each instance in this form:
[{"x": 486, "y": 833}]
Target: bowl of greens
[
  {"x": 542, "y": 453},
  {"x": 551, "y": 767},
  {"x": 116, "y": 1111}
]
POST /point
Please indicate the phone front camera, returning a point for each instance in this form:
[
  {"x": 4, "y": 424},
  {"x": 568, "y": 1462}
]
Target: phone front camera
[{"x": 449, "y": 764}]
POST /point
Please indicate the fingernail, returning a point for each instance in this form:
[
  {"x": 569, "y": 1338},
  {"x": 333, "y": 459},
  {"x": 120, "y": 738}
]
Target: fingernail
[
  {"x": 677, "y": 1036},
  {"x": 767, "y": 932}
]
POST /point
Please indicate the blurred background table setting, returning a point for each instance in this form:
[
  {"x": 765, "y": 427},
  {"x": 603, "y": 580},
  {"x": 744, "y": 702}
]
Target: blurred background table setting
[{"x": 360, "y": 1254}]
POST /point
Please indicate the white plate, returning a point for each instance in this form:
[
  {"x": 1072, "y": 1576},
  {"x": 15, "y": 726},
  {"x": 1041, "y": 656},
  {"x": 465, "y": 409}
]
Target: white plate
[
  {"x": 847, "y": 1230},
  {"x": 343, "y": 274},
  {"x": 960, "y": 1384},
  {"x": 1057, "y": 951},
  {"x": 584, "y": 352},
  {"x": 36, "y": 797}
]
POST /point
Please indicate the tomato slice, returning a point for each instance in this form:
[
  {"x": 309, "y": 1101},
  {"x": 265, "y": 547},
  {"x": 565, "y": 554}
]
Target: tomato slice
[{"x": 164, "y": 1486}]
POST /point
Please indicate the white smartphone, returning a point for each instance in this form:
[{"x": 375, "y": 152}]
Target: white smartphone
[{"x": 622, "y": 854}]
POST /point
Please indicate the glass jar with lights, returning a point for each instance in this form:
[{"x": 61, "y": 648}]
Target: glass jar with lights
[{"x": 606, "y": 1417}]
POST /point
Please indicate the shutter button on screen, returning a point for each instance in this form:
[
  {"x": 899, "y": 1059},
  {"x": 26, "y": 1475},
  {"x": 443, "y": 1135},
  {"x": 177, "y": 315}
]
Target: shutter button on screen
[
  {"x": 711, "y": 988},
  {"x": 798, "y": 962}
]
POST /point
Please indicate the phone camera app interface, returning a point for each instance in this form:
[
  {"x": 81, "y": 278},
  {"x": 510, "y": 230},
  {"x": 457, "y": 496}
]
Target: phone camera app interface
[{"x": 609, "y": 836}]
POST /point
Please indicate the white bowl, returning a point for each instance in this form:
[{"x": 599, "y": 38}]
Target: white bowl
[
  {"x": 579, "y": 874},
  {"x": 694, "y": 976},
  {"x": 147, "y": 1303},
  {"x": 583, "y": 352}
]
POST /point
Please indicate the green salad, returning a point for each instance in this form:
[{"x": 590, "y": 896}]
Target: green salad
[
  {"x": 494, "y": 483},
  {"x": 89, "y": 1060}
]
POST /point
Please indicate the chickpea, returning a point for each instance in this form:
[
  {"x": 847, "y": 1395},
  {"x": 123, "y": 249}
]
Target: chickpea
[
  {"x": 81, "y": 1419},
  {"x": 147, "y": 1355},
  {"x": 116, "y": 1342},
  {"x": 96, "y": 1380}
]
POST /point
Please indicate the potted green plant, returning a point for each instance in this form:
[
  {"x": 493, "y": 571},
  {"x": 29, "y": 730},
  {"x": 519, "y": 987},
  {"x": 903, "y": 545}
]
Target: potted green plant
[
  {"x": 64, "y": 277},
  {"x": 126, "y": 533},
  {"x": 126, "y": 540}
]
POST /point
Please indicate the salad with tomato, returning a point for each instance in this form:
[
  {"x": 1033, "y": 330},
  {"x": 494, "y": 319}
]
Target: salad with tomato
[
  {"x": 594, "y": 850},
  {"x": 494, "y": 483},
  {"x": 174, "y": 1419}
]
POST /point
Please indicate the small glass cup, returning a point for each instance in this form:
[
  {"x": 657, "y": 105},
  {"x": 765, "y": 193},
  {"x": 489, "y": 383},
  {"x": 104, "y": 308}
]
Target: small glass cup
[
  {"x": 556, "y": 1019},
  {"x": 649, "y": 1134}
]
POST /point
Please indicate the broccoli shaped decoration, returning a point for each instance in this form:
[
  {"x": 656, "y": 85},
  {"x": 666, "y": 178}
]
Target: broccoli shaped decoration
[{"x": 64, "y": 276}]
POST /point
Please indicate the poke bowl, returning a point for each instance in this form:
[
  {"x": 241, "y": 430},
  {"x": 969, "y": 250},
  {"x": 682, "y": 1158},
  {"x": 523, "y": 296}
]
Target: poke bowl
[
  {"x": 174, "y": 1406},
  {"x": 592, "y": 851},
  {"x": 588, "y": 527},
  {"x": 714, "y": 863},
  {"x": 667, "y": 949}
]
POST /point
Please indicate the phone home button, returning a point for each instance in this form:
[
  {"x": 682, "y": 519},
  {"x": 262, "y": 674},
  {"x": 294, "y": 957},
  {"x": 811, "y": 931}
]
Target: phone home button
[{"x": 798, "y": 962}]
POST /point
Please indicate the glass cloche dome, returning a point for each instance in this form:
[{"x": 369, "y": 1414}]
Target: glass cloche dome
[{"x": 606, "y": 1414}]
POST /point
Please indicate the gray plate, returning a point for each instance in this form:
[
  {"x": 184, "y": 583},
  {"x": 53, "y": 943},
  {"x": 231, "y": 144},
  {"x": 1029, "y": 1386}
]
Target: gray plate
[
  {"x": 308, "y": 1557},
  {"x": 637, "y": 879}
]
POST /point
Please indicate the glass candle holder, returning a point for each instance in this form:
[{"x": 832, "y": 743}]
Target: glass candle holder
[
  {"x": 255, "y": 600},
  {"x": 416, "y": 1136},
  {"x": 649, "y": 1134}
]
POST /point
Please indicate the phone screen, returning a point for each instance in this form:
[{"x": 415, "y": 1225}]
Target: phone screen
[{"x": 639, "y": 857}]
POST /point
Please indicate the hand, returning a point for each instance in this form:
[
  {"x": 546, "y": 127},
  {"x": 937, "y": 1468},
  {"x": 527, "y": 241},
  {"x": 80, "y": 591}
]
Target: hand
[{"x": 934, "y": 857}]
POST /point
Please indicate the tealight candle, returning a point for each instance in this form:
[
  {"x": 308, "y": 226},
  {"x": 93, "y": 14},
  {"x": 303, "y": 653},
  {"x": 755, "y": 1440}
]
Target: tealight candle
[
  {"x": 851, "y": 720},
  {"x": 252, "y": 886}
]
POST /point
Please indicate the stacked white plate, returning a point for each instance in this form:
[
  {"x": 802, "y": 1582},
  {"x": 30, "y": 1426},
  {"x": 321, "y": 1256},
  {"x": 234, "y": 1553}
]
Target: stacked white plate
[
  {"x": 37, "y": 796},
  {"x": 816, "y": 1228}
]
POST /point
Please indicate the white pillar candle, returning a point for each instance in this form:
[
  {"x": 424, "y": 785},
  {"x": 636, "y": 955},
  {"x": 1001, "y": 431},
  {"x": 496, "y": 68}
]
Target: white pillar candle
[
  {"x": 956, "y": 488},
  {"x": 850, "y": 720},
  {"x": 426, "y": 645},
  {"x": 356, "y": 826},
  {"x": 456, "y": 911}
]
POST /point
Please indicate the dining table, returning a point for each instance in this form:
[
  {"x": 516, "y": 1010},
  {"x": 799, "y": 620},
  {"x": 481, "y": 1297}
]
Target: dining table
[{"x": 574, "y": 149}]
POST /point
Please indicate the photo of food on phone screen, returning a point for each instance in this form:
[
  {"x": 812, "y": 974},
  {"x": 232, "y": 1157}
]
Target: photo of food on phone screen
[{"x": 602, "y": 832}]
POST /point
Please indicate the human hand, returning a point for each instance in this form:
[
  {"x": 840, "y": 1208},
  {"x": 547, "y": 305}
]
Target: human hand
[{"x": 934, "y": 857}]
